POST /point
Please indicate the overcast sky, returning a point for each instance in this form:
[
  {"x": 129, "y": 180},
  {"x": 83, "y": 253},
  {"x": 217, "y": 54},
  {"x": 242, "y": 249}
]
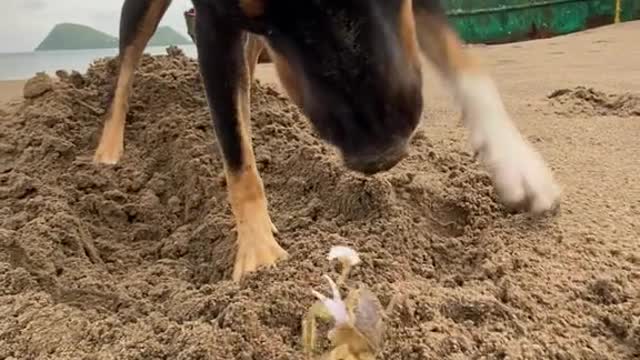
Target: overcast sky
[{"x": 24, "y": 23}]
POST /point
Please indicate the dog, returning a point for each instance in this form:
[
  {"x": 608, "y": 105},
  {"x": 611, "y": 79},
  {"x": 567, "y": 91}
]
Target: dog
[{"x": 353, "y": 68}]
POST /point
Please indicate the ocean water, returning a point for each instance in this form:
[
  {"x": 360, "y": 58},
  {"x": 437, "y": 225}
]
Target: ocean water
[{"x": 18, "y": 66}]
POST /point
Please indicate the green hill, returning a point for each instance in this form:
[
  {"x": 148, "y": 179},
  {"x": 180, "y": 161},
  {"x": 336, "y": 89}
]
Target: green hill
[
  {"x": 75, "y": 37},
  {"x": 68, "y": 36},
  {"x": 166, "y": 36}
]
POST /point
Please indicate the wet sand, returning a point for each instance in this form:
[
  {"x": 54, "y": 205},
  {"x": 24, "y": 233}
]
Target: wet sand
[{"x": 132, "y": 261}]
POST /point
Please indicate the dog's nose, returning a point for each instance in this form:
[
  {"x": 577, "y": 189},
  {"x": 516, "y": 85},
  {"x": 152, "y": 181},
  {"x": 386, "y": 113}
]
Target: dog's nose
[{"x": 371, "y": 164}]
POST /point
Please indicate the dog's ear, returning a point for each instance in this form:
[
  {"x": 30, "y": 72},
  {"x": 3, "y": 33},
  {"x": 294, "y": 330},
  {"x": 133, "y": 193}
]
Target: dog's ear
[{"x": 252, "y": 8}]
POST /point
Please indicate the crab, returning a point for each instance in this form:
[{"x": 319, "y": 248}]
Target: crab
[{"x": 358, "y": 320}]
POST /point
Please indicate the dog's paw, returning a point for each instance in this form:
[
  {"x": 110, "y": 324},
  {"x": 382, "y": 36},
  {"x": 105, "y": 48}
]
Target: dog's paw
[
  {"x": 108, "y": 154},
  {"x": 520, "y": 176},
  {"x": 111, "y": 144},
  {"x": 257, "y": 246}
]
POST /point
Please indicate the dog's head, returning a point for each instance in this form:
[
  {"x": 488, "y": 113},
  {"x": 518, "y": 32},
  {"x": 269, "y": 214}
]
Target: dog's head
[{"x": 354, "y": 69}]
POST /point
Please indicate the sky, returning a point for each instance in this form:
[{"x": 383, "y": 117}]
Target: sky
[{"x": 24, "y": 23}]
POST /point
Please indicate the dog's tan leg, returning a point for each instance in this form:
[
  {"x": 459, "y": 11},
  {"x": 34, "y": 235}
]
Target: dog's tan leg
[
  {"x": 256, "y": 243},
  {"x": 519, "y": 174},
  {"x": 227, "y": 57},
  {"x": 139, "y": 20},
  {"x": 253, "y": 49},
  {"x": 257, "y": 246}
]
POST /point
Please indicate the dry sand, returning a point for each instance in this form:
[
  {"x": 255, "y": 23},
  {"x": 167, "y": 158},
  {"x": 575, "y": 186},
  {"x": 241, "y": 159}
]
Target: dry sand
[
  {"x": 10, "y": 90},
  {"x": 130, "y": 262}
]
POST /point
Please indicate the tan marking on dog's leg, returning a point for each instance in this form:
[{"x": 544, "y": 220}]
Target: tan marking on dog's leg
[
  {"x": 253, "y": 50},
  {"x": 520, "y": 175},
  {"x": 257, "y": 246},
  {"x": 111, "y": 145}
]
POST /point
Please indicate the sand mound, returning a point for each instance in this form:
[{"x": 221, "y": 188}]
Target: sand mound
[
  {"x": 131, "y": 261},
  {"x": 591, "y": 102},
  {"x": 37, "y": 85}
]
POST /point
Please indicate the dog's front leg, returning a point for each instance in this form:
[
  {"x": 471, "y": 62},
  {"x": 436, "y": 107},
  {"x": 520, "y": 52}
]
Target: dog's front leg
[
  {"x": 226, "y": 70},
  {"x": 520, "y": 175},
  {"x": 139, "y": 20}
]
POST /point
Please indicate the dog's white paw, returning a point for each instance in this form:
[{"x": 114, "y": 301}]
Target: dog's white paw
[{"x": 521, "y": 177}]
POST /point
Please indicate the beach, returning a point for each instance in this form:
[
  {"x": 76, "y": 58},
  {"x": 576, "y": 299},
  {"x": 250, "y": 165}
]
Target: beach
[
  {"x": 10, "y": 90},
  {"x": 133, "y": 261}
]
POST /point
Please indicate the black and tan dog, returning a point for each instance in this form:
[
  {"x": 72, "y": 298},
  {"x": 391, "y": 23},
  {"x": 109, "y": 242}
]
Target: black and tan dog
[{"x": 353, "y": 67}]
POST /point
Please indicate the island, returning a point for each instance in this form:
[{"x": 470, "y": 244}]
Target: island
[{"x": 68, "y": 36}]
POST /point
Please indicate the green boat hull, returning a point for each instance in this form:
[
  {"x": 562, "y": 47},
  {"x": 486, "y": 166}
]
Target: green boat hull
[{"x": 503, "y": 21}]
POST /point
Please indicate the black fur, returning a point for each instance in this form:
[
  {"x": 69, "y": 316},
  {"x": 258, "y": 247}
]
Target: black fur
[
  {"x": 221, "y": 58},
  {"x": 347, "y": 54},
  {"x": 357, "y": 86},
  {"x": 131, "y": 18}
]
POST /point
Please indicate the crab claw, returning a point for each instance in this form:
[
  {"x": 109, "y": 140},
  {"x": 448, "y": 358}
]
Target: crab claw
[
  {"x": 335, "y": 306},
  {"x": 347, "y": 256}
]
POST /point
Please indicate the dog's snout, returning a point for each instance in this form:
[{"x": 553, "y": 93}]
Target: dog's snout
[{"x": 370, "y": 164}]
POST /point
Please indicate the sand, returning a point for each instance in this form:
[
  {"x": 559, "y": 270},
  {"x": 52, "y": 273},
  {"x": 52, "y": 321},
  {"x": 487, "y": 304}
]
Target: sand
[
  {"x": 10, "y": 90},
  {"x": 132, "y": 261}
]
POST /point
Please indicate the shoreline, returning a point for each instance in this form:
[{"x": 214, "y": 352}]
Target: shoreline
[{"x": 11, "y": 90}]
